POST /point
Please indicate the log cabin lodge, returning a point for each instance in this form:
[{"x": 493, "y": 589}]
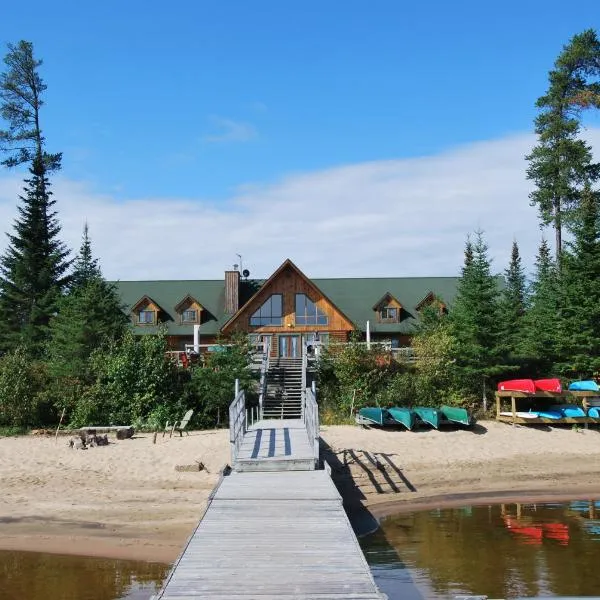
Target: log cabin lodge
[{"x": 288, "y": 307}]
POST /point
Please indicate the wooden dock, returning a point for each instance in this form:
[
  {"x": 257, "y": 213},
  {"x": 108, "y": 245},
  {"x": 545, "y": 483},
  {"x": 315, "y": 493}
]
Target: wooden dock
[{"x": 273, "y": 535}]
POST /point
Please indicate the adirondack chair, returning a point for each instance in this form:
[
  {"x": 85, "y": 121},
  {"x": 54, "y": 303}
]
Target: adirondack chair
[{"x": 179, "y": 425}]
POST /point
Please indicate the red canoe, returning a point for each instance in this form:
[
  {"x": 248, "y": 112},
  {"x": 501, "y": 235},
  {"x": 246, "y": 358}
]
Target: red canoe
[
  {"x": 517, "y": 385},
  {"x": 548, "y": 385}
]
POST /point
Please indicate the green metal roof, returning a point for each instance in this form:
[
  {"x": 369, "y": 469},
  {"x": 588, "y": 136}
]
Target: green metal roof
[{"x": 355, "y": 297}]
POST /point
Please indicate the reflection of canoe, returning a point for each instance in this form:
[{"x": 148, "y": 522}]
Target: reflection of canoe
[
  {"x": 456, "y": 415},
  {"x": 532, "y": 534},
  {"x": 584, "y": 386},
  {"x": 548, "y": 385},
  {"x": 431, "y": 416},
  {"x": 372, "y": 416},
  {"x": 403, "y": 416},
  {"x": 517, "y": 385},
  {"x": 569, "y": 410},
  {"x": 558, "y": 532}
]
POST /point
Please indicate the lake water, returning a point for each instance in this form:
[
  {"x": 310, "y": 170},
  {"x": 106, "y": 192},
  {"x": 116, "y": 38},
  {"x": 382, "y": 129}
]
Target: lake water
[{"x": 502, "y": 551}]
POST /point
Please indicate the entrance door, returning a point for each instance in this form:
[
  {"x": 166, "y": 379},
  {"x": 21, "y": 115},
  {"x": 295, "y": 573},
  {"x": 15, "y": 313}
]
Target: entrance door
[{"x": 289, "y": 346}]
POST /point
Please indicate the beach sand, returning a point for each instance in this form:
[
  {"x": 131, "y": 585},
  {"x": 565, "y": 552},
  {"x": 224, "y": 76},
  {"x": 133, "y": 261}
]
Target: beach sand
[{"x": 127, "y": 500}]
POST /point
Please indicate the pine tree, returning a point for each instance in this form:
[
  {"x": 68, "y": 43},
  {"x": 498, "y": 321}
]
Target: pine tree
[
  {"x": 540, "y": 323},
  {"x": 33, "y": 271},
  {"x": 580, "y": 293},
  {"x": 88, "y": 316},
  {"x": 512, "y": 304},
  {"x": 561, "y": 163},
  {"x": 474, "y": 318}
]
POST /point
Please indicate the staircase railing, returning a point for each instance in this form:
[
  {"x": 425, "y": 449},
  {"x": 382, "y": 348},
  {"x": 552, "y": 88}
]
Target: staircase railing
[
  {"x": 237, "y": 422},
  {"x": 310, "y": 415},
  {"x": 264, "y": 369},
  {"x": 304, "y": 369}
]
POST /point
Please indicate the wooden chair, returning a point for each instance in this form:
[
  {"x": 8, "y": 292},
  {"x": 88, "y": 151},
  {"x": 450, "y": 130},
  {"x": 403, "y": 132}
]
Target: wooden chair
[{"x": 179, "y": 425}]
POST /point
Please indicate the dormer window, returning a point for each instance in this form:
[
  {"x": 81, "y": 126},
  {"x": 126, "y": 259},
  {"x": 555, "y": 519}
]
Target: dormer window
[
  {"x": 389, "y": 313},
  {"x": 146, "y": 317},
  {"x": 189, "y": 316}
]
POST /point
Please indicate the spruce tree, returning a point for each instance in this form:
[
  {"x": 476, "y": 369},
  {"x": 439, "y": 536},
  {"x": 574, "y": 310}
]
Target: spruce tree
[
  {"x": 580, "y": 293},
  {"x": 561, "y": 163},
  {"x": 89, "y": 316},
  {"x": 540, "y": 323},
  {"x": 33, "y": 271},
  {"x": 474, "y": 318},
  {"x": 512, "y": 304}
]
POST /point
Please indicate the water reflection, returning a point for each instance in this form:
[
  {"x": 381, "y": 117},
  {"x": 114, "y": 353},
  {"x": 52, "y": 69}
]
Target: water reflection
[
  {"x": 39, "y": 576},
  {"x": 502, "y": 551}
]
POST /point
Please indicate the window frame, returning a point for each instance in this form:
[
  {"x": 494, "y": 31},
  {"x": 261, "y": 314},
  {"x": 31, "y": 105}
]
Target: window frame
[
  {"x": 383, "y": 314},
  {"x": 146, "y": 311},
  {"x": 261, "y": 319},
  {"x": 189, "y": 310},
  {"x": 319, "y": 318}
]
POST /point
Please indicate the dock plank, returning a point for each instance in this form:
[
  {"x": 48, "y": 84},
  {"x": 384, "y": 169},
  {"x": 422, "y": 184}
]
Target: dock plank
[{"x": 273, "y": 535}]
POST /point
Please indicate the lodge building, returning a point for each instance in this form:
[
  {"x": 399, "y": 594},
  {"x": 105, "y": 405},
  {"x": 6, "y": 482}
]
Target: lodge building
[{"x": 288, "y": 307}]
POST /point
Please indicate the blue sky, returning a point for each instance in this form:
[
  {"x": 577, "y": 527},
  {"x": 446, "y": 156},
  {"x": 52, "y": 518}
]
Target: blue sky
[{"x": 191, "y": 115}]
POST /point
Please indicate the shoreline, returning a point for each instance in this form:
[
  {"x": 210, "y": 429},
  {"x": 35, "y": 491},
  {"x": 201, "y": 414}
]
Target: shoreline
[{"x": 134, "y": 500}]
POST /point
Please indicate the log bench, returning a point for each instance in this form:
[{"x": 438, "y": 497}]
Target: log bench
[{"x": 123, "y": 432}]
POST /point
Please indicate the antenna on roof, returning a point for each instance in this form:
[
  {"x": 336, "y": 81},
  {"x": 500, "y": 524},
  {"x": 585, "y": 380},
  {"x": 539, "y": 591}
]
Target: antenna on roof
[{"x": 241, "y": 264}]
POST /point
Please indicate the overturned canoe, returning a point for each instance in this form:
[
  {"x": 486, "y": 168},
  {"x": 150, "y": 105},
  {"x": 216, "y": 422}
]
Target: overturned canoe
[
  {"x": 431, "y": 416},
  {"x": 569, "y": 410},
  {"x": 548, "y": 385},
  {"x": 372, "y": 415},
  {"x": 526, "y": 386},
  {"x": 548, "y": 414},
  {"x": 403, "y": 416},
  {"x": 584, "y": 386},
  {"x": 457, "y": 415}
]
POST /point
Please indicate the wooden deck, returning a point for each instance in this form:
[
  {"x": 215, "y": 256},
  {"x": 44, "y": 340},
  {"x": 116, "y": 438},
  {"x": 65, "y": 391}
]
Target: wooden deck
[
  {"x": 275, "y": 445},
  {"x": 273, "y": 535}
]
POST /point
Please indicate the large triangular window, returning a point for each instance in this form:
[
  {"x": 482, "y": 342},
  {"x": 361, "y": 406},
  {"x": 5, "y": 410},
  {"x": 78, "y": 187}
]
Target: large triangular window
[
  {"x": 308, "y": 313},
  {"x": 270, "y": 313}
]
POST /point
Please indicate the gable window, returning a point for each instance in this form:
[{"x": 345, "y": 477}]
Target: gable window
[
  {"x": 146, "y": 317},
  {"x": 389, "y": 313},
  {"x": 270, "y": 313},
  {"x": 189, "y": 316},
  {"x": 308, "y": 313}
]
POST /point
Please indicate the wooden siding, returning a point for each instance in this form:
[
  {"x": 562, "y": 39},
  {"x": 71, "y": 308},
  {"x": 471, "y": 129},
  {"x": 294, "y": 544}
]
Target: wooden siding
[
  {"x": 289, "y": 283},
  {"x": 232, "y": 292}
]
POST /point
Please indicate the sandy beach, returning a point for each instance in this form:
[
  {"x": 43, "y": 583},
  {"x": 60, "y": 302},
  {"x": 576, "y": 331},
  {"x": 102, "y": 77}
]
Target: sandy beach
[{"x": 132, "y": 500}]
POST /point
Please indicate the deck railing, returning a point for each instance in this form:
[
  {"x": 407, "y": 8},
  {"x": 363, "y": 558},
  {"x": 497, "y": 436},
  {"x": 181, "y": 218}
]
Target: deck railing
[
  {"x": 310, "y": 415},
  {"x": 303, "y": 384},
  {"x": 237, "y": 422},
  {"x": 264, "y": 369}
]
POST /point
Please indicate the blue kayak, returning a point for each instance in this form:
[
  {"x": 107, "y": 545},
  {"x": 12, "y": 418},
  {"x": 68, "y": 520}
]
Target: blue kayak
[
  {"x": 594, "y": 412},
  {"x": 569, "y": 410},
  {"x": 584, "y": 386},
  {"x": 547, "y": 414}
]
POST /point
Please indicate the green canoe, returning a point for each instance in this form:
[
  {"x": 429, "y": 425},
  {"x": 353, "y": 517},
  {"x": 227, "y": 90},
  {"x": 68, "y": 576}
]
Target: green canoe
[
  {"x": 431, "y": 416},
  {"x": 457, "y": 415},
  {"x": 403, "y": 416},
  {"x": 372, "y": 415}
]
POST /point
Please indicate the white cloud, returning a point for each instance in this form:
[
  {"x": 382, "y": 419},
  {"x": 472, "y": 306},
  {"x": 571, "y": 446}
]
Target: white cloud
[
  {"x": 227, "y": 130},
  {"x": 383, "y": 218}
]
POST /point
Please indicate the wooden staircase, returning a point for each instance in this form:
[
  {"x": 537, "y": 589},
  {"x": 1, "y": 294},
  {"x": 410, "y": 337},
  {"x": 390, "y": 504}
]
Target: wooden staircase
[{"x": 283, "y": 398}]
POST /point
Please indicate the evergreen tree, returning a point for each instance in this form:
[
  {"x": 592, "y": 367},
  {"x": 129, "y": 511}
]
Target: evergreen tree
[
  {"x": 561, "y": 163},
  {"x": 512, "y": 304},
  {"x": 540, "y": 323},
  {"x": 474, "y": 322},
  {"x": 33, "y": 269},
  {"x": 90, "y": 315},
  {"x": 580, "y": 287}
]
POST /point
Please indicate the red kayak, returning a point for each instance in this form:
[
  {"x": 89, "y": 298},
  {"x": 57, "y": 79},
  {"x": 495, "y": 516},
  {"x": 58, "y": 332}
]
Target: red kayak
[
  {"x": 517, "y": 385},
  {"x": 548, "y": 385}
]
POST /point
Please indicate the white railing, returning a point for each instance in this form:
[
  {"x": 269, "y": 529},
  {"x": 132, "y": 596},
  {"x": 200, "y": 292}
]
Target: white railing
[
  {"x": 264, "y": 369},
  {"x": 237, "y": 422},
  {"x": 310, "y": 415},
  {"x": 304, "y": 369}
]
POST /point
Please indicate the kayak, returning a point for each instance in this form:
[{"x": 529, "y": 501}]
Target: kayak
[
  {"x": 457, "y": 415},
  {"x": 431, "y": 416},
  {"x": 526, "y": 386},
  {"x": 548, "y": 385},
  {"x": 403, "y": 416},
  {"x": 584, "y": 386},
  {"x": 569, "y": 410},
  {"x": 548, "y": 414}
]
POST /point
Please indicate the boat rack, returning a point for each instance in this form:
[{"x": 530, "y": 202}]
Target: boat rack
[{"x": 513, "y": 417}]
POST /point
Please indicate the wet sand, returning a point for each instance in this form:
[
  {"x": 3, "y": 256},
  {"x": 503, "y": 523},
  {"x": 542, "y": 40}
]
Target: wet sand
[{"x": 128, "y": 500}]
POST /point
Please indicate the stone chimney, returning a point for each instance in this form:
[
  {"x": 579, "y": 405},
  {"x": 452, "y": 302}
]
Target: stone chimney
[{"x": 232, "y": 291}]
